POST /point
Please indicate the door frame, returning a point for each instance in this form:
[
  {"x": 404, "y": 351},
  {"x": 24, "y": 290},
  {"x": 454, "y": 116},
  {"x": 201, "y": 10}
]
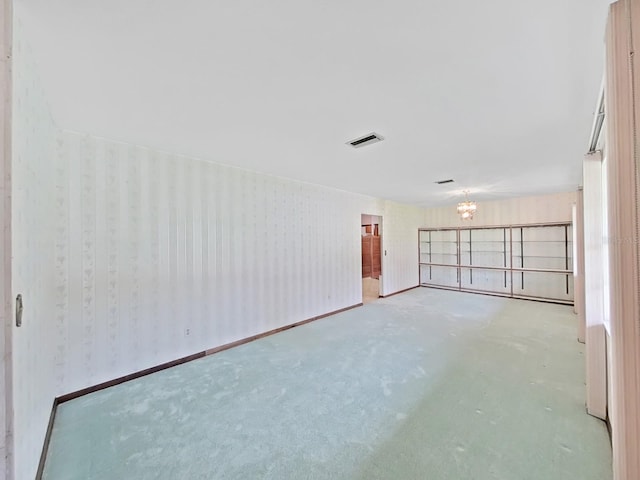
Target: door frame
[
  {"x": 380, "y": 220},
  {"x": 623, "y": 193}
]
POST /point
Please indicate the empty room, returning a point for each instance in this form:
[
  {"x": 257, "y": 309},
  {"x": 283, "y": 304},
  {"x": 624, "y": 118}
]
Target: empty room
[{"x": 319, "y": 240}]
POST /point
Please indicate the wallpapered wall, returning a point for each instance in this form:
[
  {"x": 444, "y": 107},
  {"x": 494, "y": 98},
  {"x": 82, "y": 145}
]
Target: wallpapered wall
[
  {"x": 5, "y": 240},
  {"x": 128, "y": 257},
  {"x": 556, "y": 207},
  {"x": 34, "y": 346},
  {"x": 150, "y": 245}
]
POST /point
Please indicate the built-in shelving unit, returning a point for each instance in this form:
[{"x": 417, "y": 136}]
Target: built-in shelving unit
[{"x": 521, "y": 261}]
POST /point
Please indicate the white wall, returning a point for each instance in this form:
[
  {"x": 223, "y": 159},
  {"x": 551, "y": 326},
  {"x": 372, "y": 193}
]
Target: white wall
[
  {"x": 539, "y": 209},
  {"x": 400, "y": 247},
  {"x": 32, "y": 264},
  {"x": 150, "y": 244},
  {"x": 5, "y": 240},
  {"x": 120, "y": 249}
]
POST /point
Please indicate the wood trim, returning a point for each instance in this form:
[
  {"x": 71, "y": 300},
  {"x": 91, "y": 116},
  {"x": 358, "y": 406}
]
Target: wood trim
[
  {"x": 126, "y": 378},
  {"x": 578, "y": 284},
  {"x": 622, "y": 103},
  {"x": 484, "y": 227},
  {"x": 6, "y": 317},
  {"x": 501, "y": 269},
  {"x": 419, "y": 260},
  {"x": 498, "y": 294},
  {"x": 195, "y": 356},
  {"x": 277, "y": 330},
  {"x": 542, "y": 299},
  {"x": 399, "y": 292},
  {"x": 101, "y": 386},
  {"x": 47, "y": 440}
]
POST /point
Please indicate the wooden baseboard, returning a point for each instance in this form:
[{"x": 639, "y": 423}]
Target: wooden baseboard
[
  {"x": 132, "y": 376},
  {"x": 499, "y": 294},
  {"x": 173, "y": 363},
  {"x": 399, "y": 292},
  {"x": 277, "y": 330},
  {"x": 47, "y": 440},
  {"x": 126, "y": 378}
]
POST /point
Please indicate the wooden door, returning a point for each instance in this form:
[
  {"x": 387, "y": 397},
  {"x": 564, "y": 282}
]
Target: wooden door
[
  {"x": 376, "y": 264},
  {"x": 367, "y": 263}
]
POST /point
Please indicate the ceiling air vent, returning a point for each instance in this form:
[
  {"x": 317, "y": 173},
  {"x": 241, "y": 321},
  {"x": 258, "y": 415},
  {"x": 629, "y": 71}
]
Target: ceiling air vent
[
  {"x": 442, "y": 182},
  {"x": 366, "y": 140}
]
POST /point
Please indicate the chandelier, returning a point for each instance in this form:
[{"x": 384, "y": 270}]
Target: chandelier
[{"x": 467, "y": 208}]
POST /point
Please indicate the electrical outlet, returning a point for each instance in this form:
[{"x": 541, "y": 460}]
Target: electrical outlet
[{"x": 187, "y": 331}]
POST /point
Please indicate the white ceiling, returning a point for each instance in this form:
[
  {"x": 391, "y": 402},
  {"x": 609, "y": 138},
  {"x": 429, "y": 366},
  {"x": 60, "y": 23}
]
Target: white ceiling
[{"x": 497, "y": 95}]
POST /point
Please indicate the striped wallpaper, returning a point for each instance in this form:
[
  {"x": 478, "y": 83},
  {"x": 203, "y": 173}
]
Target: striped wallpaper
[{"x": 128, "y": 257}]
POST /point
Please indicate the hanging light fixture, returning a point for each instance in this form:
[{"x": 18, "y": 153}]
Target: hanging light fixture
[{"x": 467, "y": 208}]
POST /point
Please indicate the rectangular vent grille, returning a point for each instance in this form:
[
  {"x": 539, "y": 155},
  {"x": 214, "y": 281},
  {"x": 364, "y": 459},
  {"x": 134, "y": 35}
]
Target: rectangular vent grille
[
  {"x": 442, "y": 182},
  {"x": 366, "y": 140},
  {"x": 363, "y": 140}
]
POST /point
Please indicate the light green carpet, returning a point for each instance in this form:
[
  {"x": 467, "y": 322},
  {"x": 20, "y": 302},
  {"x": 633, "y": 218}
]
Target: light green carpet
[{"x": 428, "y": 384}]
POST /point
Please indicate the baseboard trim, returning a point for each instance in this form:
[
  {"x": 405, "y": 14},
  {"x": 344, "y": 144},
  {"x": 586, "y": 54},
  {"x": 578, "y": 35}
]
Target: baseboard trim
[
  {"x": 126, "y": 378},
  {"x": 47, "y": 439},
  {"x": 242, "y": 341},
  {"x": 498, "y": 294},
  {"x": 132, "y": 376},
  {"x": 195, "y": 356},
  {"x": 399, "y": 292}
]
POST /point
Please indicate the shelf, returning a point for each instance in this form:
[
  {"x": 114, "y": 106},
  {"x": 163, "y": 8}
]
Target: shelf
[
  {"x": 501, "y": 252},
  {"x": 498, "y": 242},
  {"x": 543, "y": 241},
  {"x": 482, "y": 259},
  {"x": 540, "y": 256}
]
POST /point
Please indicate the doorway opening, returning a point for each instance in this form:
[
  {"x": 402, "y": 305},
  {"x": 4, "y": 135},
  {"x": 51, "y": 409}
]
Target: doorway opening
[{"x": 371, "y": 234}]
